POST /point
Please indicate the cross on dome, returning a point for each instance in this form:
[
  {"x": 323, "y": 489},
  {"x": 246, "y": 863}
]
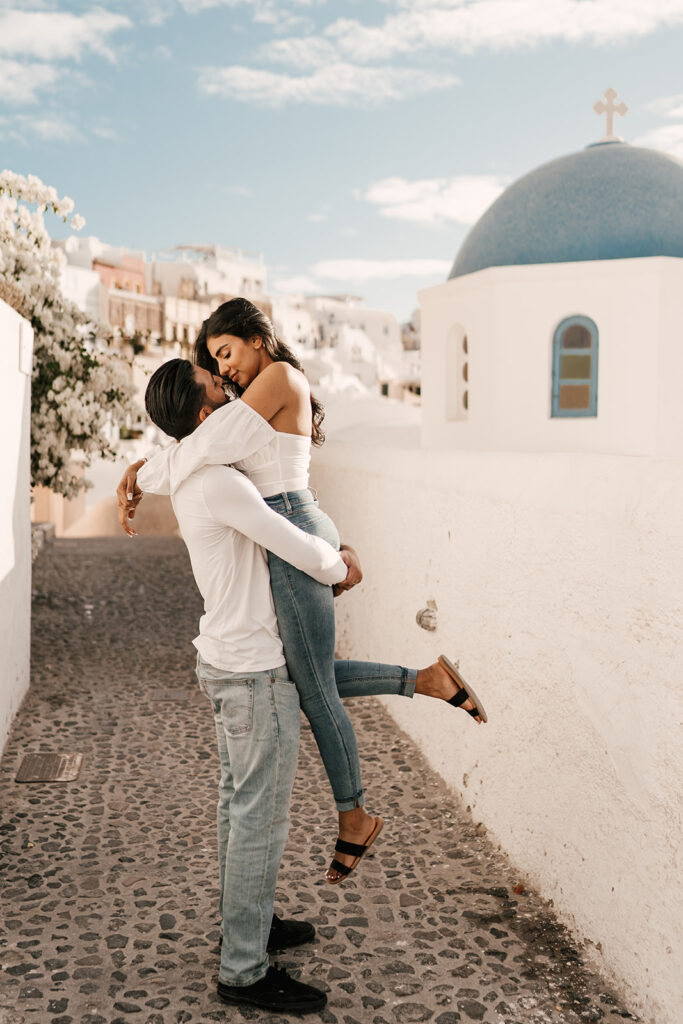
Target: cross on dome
[{"x": 610, "y": 108}]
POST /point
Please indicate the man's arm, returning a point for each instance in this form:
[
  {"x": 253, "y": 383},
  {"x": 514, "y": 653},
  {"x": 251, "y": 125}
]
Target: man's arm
[
  {"x": 233, "y": 501},
  {"x": 228, "y": 435}
]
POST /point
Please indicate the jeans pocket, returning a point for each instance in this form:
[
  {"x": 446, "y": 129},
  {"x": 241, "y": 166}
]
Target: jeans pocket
[{"x": 236, "y": 707}]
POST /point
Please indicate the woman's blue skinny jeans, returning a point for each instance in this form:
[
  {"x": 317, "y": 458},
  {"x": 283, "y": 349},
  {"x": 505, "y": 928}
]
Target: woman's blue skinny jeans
[{"x": 305, "y": 615}]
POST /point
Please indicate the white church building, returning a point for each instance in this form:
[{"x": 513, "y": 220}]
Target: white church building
[
  {"x": 536, "y": 511},
  {"x": 559, "y": 327}
]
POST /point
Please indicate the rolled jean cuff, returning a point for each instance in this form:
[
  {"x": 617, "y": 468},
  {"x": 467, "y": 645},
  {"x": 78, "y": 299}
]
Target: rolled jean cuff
[
  {"x": 251, "y": 978},
  {"x": 351, "y": 804},
  {"x": 408, "y": 682}
]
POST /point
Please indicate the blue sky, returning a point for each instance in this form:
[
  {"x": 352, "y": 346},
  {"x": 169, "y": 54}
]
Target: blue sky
[{"x": 352, "y": 143}]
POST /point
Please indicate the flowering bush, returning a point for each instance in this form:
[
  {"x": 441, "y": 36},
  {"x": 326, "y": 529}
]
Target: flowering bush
[{"x": 80, "y": 386}]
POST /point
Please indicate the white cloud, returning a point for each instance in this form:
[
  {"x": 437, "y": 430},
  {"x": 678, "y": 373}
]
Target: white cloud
[
  {"x": 196, "y": 6},
  {"x": 279, "y": 15},
  {"x": 412, "y": 27},
  {"x": 303, "y": 52},
  {"x": 364, "y": 270},
  {"x": 28, "y": 128},
  {"x": 156, "y": 12},
  {"x": 470, "y": 25},
  {"x": 321, "y": 215},
  {"x": 49, "y": 129},
  {"x": 667, "y": 106},
  {"x": 335, "y": 85},
  {"x": 21, "y": 83},
  {"x": 668, "y": 138},
  {"x": 55, "y": 35},
  {"x": 103, "y": 130},
  {"x": 461, "y": 199},
  {"x": 322, "y": 273}
]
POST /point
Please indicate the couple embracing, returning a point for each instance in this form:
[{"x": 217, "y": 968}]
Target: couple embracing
[{"x": 268, "y": 563}]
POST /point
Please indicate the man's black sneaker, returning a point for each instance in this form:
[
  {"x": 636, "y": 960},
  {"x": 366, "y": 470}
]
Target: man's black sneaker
[
  {"x": 275, "y": 991},
  {"x": 287, "y": 933}
]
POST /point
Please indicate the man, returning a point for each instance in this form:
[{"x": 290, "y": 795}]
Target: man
[{"x": 241, "y": 669}]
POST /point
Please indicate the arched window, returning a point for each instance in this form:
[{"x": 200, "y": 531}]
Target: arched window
[
  {"x": 575, "y": 368},
  {"x": 457, "y": 374}
]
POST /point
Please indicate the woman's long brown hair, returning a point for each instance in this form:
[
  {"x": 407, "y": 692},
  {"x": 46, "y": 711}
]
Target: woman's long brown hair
[{"x": 243, "y": 319}]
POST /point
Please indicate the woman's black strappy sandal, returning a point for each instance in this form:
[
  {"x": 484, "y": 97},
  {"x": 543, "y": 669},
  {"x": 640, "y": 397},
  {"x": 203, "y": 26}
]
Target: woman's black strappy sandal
[
  {"x": 355, "y": 850},
  {"x": 465, "y": 691}
]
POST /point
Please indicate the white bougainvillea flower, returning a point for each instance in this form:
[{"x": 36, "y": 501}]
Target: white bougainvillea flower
[{"x": 81, "y": 385}]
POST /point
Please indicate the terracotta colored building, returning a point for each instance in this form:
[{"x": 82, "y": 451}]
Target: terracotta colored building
[{"x": 127, "y": 276}]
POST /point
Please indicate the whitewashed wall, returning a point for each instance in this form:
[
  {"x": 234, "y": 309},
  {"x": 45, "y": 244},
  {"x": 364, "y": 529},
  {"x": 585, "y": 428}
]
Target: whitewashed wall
[
  {"x": 15, "y": 525},
  {"x": 558, "y": 583}
]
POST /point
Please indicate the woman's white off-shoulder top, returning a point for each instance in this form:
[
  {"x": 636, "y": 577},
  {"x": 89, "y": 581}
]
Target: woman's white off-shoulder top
[
  {"x": 233, "y": 435},
  {"x": 279, "y": 466}
]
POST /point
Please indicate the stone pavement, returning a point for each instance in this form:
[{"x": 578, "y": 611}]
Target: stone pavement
[{"x": 109, "y": 889}]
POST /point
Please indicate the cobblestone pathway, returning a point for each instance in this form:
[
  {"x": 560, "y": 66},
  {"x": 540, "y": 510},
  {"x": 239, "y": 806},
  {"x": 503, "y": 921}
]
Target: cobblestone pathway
[{"x": 109, "y": 883}]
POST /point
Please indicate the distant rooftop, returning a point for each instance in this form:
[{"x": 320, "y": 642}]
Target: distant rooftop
[{"x": 202, "y": 253}]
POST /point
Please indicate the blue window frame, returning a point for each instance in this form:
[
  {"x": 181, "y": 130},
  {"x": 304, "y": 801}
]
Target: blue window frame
[{"x": 575, "y": 368}]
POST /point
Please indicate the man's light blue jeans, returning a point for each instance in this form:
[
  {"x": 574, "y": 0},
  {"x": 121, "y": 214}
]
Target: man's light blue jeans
[
  {"x": 305, "y": 615},
  {"x": 257, "y": 728}
]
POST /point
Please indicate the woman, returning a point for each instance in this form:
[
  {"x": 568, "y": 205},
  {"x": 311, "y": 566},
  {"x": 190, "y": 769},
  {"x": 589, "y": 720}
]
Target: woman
[{"x": 238, "y": 342}]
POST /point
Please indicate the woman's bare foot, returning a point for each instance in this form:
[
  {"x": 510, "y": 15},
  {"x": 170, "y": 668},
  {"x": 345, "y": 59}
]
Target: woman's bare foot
[
  {"x": 435, "y": 681},
  {"x": 355, "y": 826}
]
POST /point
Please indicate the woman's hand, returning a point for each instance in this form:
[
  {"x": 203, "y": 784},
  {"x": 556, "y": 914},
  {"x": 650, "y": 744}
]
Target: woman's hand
[
  {"x": 129, "y": 497},
  {"x": 354, "y": 575}
]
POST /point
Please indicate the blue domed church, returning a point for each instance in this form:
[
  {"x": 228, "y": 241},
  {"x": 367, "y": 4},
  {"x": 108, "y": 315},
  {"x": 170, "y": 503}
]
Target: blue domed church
[{"x": 560, "y": 327}]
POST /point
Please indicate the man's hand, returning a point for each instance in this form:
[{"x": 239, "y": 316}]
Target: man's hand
[
  {"x": 129, "y": 497},
  {"x": 354, "y": 575}
]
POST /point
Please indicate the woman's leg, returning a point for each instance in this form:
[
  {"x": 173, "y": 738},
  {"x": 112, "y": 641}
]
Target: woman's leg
[
  {"x": 305, "y": 614},
  {"x": 373, "y": 679}
]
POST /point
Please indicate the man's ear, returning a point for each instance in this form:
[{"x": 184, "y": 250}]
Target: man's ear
[{"x": 205, "y": 411}]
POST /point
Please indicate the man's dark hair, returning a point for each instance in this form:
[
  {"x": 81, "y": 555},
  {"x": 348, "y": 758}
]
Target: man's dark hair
[{"x": 173, "y": 398}]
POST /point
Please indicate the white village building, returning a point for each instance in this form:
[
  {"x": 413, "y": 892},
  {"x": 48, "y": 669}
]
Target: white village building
[
  {"x": 203, "y": 271},
  {"x": 536, "y": 513},
  {"x": 344, "y": 345}
]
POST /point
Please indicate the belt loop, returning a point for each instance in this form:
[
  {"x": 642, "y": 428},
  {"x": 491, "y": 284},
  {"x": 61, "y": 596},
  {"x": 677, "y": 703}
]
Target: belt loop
[
  {"x": 287, "y": 502},
  {"x": 314, "y": 493}
]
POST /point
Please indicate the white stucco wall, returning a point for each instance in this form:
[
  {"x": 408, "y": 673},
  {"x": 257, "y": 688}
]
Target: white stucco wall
[
  {"x": 510, "y": 315},
  {"x": 557, "y": 579},
  {"x": 15, "y": 525}
]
